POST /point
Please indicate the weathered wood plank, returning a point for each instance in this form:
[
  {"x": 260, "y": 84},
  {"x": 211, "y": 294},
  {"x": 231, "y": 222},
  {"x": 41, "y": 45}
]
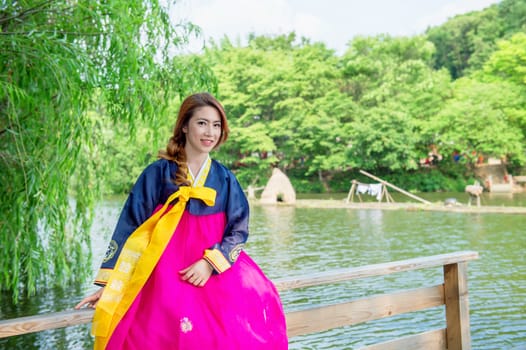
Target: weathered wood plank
[
  {"x": 457, "y": 307},
  {"x": 341, "y": 275},
  {"x": 322, "y": 318},
  {"x": 30, "y": 324},
  {"x": 430, "y": 340}
]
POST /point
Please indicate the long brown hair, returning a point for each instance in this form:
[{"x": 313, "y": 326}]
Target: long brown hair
[{"x": 175, "y": 148}]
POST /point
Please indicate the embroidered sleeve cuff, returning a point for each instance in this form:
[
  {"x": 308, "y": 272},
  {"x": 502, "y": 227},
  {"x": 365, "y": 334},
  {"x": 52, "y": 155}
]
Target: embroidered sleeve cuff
[
  {"x": 217, "y": 260},
  {"x": 103, "y": 276}
]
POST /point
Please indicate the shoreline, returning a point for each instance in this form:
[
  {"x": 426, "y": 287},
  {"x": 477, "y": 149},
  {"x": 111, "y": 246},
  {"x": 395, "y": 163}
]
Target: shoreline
[{"x": 341, "y": 204}]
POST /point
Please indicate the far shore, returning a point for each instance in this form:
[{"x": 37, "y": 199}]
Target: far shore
[{"x": 342, "y": 204}]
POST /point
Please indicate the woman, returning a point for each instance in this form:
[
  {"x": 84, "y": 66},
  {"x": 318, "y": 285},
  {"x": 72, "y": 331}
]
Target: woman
[{"x": 175, "y": 275}]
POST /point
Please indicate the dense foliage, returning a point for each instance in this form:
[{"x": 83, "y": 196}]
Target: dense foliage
[
  {"x": 72, "y": 75},
  {"x": 89, "y": 93},
  {"x": 465, "y": 42},
  {"x": 382, "y": 106}
]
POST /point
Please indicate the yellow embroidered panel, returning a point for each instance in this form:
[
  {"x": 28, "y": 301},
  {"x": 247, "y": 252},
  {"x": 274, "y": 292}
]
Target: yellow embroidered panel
[
  {"x": 217, "y": 260},
  {"x": 103, "y": 276},
  {"x": 140, "y": 254}
]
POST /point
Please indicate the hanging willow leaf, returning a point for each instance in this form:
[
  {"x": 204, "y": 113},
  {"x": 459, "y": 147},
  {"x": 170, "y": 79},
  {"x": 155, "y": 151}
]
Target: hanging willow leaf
[{"x": 58, "y": 61}]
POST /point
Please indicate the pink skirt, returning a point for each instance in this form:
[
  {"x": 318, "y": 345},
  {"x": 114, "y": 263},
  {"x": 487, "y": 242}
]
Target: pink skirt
[{"x": 237, "y": 309}]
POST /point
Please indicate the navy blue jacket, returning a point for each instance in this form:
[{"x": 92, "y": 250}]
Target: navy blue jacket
[{"x": 156, "y": 184}]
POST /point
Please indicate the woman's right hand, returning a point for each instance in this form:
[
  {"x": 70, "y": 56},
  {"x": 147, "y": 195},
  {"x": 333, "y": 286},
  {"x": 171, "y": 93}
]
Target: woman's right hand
[{"x": 90, "y": 301}]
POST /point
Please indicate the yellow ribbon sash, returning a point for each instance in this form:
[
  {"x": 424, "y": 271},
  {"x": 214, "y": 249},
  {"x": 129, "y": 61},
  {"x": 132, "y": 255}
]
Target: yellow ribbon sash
[{"x": 137, "y": 260}]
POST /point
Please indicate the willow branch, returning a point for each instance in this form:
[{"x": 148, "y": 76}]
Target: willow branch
[{"x": 27, "y": 12}]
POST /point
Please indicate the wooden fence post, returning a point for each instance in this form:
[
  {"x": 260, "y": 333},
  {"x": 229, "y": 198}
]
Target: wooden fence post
[{"x": 457, "y": 306}]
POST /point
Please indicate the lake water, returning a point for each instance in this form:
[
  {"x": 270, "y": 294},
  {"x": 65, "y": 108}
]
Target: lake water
[{"x": 289, "y": 241}]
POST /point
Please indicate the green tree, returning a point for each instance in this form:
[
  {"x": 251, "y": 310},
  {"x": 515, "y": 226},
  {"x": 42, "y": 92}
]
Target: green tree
[
  {"x": 509, "y": 61},
  {"x": 246, "y": 92},
  {"x": 465, "y": 42},
  {"x": 512, "y": 15},
  {"x": 379, "y": 107},
  {"x": 507, "y": 64},
  {"x": 384, "y": 138},
  {"x": 481, "y": 118},
  {"x": 286, "y": 94},
  {"x": 392, "y": 80},
  {"x": 61, "y": 59}
]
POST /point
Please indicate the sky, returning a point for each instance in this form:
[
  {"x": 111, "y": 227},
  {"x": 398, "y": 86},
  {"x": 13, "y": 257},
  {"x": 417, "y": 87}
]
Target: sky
[{"x": 334, "y": 22}]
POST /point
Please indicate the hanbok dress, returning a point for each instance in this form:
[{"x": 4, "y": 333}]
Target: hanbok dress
[{"x": 164, "y": 228}]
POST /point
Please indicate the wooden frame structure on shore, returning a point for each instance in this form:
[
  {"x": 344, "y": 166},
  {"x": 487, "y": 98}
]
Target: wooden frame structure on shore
[
  {"x": 452, "y": 294},
  {"x": 385, "y": 193}
]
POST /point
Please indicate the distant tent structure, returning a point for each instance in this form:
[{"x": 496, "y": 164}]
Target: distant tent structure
[{"x": 278, "y": 189}]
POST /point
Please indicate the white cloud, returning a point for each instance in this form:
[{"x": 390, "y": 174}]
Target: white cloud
[
  {"x": 308, "y": 25},
  {"x": 334, "y": 22},
  {"x": 238, "y": 18}
]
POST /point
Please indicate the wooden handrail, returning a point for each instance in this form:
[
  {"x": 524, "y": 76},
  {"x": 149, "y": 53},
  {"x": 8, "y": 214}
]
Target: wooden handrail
[
  {"x": 38, "y": 323},
  {"x": 452, "y": 293},
  {"x": 341, "y": 275}
]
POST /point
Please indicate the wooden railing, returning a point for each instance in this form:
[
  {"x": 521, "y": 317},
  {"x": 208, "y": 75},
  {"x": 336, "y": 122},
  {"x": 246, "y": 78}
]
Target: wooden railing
[{"x": 452, "y": 293}]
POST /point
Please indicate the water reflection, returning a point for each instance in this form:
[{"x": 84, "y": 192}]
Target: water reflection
[{"x": 289, "y": 241}]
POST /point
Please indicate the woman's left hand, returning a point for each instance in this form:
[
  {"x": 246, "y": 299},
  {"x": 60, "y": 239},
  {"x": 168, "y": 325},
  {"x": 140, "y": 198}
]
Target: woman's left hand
[
  {"x": 198, "y": 273},
  {"x": 91, "y": 301}
]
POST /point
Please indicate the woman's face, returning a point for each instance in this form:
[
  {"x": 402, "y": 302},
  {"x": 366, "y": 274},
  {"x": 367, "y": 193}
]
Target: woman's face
[{"x": 203, "y": 131}]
